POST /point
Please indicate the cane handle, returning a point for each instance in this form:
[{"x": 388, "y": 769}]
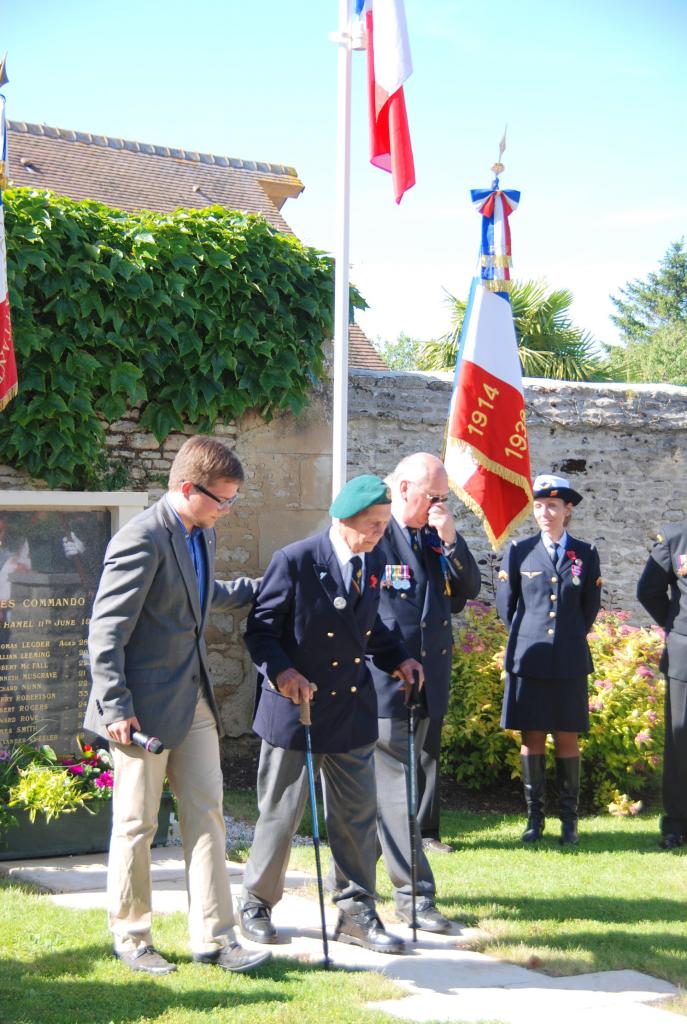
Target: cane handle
[{"x": 304, "y": 713}]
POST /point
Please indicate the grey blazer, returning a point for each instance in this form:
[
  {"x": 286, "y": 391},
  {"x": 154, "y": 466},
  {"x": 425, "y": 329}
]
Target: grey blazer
[{"x": 146, "y": 644}]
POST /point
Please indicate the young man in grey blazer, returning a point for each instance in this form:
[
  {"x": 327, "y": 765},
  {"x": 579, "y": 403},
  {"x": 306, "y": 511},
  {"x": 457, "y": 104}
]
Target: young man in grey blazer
[{"x": 150, "y": 673}]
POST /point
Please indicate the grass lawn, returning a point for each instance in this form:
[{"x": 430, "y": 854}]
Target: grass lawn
[{"x": 615, "y": 902}]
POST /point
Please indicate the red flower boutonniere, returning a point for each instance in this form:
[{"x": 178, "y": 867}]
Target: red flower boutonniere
[
  {"x": 373, "y": 581},
  {"x": 571, "y": 555}
]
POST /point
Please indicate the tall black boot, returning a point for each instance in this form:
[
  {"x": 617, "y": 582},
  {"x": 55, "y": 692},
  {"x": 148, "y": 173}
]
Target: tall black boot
[
  {"x": 534, "y": 784},
  {"x": 568, "y": 772}
]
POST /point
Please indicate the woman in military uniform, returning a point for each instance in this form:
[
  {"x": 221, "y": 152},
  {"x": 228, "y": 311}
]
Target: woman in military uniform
[{"x": 548, "y": 595}]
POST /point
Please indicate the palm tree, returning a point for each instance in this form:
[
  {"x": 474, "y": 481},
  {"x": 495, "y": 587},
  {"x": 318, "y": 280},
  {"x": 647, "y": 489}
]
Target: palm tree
[{"x": 550, "y": 345}]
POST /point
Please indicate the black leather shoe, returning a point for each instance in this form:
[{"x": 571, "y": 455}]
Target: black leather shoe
[
  {"x": 365, "y": 929},
  {"x": 256, "y": 923},
  {"x": 671, "y": 841},
  {"x": 427, "y": 918},
  {"x": 569, "y": 836},
  {"x": 146, "y": 959},
  {"x": 534, "y": 829},
  {"x": 233, "y": 958},
  {"x": 436, "y": 846}
]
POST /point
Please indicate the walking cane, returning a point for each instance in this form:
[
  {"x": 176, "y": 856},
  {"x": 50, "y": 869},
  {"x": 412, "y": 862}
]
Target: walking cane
[
  {"x": 306, "y": 723},
  {"x": 412, "y": 704}
]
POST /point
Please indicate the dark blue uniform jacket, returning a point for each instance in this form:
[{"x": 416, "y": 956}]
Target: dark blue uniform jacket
[
  {"x": 421, "y": 615},
  {"x": 547, "y": 614},
  {"x": 662, "y": 590},
  {"x": 295, "y": 624}
]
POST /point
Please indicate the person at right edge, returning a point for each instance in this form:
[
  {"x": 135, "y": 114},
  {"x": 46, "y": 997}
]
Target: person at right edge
[
  {"x": 548, "y": 595},
  {"x": 662, "y": 589}
]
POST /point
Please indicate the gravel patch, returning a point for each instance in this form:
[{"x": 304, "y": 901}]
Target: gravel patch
[{"x": 239, "y": 833}]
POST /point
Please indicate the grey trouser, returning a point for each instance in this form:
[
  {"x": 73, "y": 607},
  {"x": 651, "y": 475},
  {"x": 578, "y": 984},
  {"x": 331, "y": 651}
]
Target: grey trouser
[
  {"x": 391, "y": 768},
  {"x": 350, "y": 801}
]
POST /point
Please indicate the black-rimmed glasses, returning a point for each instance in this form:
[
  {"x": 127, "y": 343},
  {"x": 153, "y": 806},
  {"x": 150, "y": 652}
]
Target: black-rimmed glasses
[{"x": 222, "y": 503}]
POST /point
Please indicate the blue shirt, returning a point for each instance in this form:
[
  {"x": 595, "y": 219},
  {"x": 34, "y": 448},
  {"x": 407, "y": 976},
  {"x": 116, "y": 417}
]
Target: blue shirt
[{"x": 196, "y": 549}]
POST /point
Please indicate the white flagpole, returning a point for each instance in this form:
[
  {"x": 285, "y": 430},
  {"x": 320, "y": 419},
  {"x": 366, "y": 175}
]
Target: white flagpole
[{"x": 341, "y": 257}]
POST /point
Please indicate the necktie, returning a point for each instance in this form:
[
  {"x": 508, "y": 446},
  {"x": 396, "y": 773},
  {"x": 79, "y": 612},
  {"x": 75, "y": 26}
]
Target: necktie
[
  {"x": 356, "y": 579},
  {"x": 554, "y": 554}
]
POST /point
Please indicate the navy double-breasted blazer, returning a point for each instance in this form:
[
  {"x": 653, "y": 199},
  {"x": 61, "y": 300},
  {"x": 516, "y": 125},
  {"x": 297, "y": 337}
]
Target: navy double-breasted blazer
[
  {"x": 662, "y": 589},
  {"x": 304, "y": 619},
  {"x": 421, "y": 615},
  {"x": 549, "y": 615}
]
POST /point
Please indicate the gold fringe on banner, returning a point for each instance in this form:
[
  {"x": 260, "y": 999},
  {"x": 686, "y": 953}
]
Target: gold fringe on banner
[
  {"x": 496, "y": 261},
  {"x": 499, "y": 285},
  {"x": 12, "y": 393},
  {"x": 506, "y": 474}
]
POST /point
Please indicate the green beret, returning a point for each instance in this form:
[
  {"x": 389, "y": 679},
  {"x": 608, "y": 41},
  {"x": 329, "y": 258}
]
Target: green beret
[{"x": 358, "y": 494}]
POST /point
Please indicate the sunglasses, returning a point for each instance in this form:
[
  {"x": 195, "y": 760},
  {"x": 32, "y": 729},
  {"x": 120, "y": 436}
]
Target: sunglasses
[
  {"x": 222, "y": 503},
  {"x": 433, "y": 499}
]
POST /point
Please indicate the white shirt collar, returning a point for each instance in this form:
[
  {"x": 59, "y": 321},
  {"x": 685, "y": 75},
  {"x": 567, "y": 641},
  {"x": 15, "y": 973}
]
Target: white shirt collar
[{"x": 344, "y": 554}]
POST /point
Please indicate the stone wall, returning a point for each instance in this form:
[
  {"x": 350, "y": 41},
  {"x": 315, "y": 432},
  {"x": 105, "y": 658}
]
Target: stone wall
[{"x": 623, "y": 448}]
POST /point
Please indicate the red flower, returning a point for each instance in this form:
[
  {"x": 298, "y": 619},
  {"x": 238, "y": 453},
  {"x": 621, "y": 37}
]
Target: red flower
[
  {"x": 571, "y": 555},
  {"x": 373, "y": 582}
]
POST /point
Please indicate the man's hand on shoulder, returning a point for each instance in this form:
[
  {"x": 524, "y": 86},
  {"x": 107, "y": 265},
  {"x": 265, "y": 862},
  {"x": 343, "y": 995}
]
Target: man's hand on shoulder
[{"x": 293, "y": 685}]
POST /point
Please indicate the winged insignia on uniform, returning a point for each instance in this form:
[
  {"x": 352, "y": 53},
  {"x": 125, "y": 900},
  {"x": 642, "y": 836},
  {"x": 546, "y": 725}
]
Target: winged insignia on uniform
[{"x": 531, "y": 575}]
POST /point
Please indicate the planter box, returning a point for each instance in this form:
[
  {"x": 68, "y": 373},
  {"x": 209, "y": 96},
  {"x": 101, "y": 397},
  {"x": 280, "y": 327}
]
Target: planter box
[{"x": 76, "y": 833}]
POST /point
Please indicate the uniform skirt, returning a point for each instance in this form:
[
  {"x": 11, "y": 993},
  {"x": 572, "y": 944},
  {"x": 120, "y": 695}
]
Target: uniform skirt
[{"x": 548, "y": 705}]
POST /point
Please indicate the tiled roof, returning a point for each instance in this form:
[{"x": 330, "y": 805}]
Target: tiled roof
[
  {"x": 137, "y": 175},
  {"x": 362, "y": 355}
]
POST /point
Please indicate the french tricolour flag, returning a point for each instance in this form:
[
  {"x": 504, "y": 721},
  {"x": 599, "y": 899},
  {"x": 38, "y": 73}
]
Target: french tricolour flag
[
  {"x": 487, "y": 452},
  {"x": 8, "y": 367},
  {"x": 388, "y": 66}
]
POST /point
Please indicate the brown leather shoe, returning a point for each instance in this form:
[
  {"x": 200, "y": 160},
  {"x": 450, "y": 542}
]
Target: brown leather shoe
[
  {"x": 146, "y": 959},
  {"x": 233, "y": 958},
  {"x": 366, "y": 930},
  {"x": 436, "y": 846}
]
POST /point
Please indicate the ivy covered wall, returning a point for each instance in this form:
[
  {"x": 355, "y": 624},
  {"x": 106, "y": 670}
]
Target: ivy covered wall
[{"x": 192, "y": 317}]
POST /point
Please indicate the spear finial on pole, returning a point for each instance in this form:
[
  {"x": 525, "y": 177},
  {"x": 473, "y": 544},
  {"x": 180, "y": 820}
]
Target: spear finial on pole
[
  {"x": 498, "y": 167},
  {"x": 3, "y": 71}
]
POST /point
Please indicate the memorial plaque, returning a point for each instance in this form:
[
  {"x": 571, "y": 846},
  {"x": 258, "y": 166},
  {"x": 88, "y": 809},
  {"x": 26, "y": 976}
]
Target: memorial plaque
[{"x": 50, "y": 564}]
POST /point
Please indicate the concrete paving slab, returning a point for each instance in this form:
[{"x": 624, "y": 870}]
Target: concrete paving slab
[{"x": 444, "y": 980}]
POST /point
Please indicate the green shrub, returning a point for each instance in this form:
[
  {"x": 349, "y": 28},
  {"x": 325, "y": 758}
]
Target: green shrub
[
  {"x": 623, "y": 751},
  {"x": 192, "y": 317}
]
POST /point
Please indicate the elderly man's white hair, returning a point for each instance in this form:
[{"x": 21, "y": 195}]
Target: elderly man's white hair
[{"x": 417, "y": 467}]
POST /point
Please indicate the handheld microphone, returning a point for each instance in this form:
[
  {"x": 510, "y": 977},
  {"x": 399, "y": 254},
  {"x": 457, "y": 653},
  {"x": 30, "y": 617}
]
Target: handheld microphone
[{"x": 150, "y": 743}]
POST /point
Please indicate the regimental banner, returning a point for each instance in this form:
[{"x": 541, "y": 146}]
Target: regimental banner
[
  {"x": 8, "y": 366},
  {"x": 487, "y": 453}
]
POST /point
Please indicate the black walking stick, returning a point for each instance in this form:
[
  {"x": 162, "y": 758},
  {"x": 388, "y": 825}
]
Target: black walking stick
[
  {"x": 412, "y": 703},
  {"x": 306, "y": 722}
]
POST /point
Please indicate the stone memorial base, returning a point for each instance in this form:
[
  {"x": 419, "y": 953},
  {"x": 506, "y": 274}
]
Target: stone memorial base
[{"x": 74, "y": 833}]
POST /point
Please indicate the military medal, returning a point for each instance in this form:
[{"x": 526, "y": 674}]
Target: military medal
[
  {"x": 396, "y": 576},
  {"x": 681, "y": 565},
  {"x": 576, "y": 569}
]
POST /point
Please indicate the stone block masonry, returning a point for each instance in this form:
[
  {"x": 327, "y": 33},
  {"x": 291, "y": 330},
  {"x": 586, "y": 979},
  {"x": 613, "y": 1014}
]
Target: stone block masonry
[{"x": 623, "y": 448}]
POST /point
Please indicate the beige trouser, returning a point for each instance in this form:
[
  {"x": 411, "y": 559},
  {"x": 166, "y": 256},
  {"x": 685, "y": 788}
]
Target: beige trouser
[{"x": 195, "y": 776}]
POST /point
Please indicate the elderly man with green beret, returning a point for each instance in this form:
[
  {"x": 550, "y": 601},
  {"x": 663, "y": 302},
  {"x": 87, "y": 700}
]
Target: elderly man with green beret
[{"x": 314, "y": 622}]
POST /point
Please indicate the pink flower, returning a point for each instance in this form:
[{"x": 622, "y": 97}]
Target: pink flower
[
  {"x": 596, "y": 704},
  {"x": 655, "y": 760},
  {"x": 105, "y": 780},
  {"x": 645, "y": 673},
  {"x": 642, "y": 737},
  {"x": 75, "y": 769},
  {"x": 652, "y": 716}
]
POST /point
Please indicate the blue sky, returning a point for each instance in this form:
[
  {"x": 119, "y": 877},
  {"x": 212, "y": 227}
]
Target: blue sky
[{"x": 593, "y": 92}]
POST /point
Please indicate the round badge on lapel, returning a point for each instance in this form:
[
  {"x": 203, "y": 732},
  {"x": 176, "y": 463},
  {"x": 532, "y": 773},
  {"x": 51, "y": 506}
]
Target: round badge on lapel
[{"x": 339, "y": 603}]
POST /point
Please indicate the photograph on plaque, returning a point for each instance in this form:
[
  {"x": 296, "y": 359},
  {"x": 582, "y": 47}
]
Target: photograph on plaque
[{"x": 50, "y": 564}]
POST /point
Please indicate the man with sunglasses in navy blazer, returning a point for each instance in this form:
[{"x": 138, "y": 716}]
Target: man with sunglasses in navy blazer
[{"x": 429, "y": 575}]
